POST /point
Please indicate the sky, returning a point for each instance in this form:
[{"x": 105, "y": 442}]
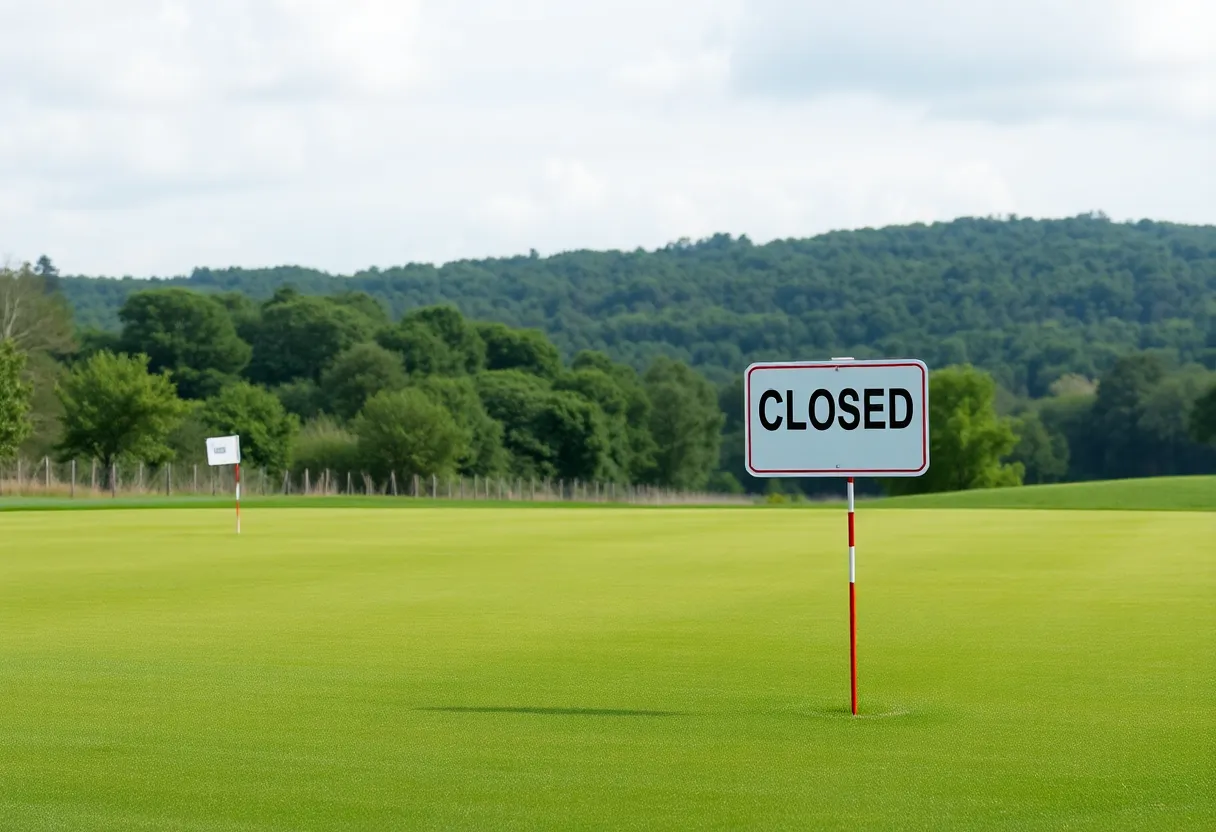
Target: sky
[{"x": 147, "y": 137}]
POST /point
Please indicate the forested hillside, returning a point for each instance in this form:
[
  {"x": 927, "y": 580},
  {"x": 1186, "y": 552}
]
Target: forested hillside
[{"x": 1029, "y": 300}]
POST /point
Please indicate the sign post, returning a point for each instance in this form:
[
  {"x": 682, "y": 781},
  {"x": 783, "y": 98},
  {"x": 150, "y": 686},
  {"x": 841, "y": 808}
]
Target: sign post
[
  {"x": 838, "y": 418},
  {"x": 226, "y": 450}
]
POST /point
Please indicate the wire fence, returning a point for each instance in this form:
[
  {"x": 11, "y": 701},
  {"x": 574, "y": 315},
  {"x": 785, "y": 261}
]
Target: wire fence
[{"x": 89, "y": 479}]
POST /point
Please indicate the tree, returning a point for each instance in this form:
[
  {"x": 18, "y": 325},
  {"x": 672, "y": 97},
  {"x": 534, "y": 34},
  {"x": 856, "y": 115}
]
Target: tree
[
  {"x": 529, "y": 350},
  {"x": 436, "y": 340},
  {"x": 258, "y": 417},
  {"x": 454, "y": 330},
  {"x": 1043, "y": 454},
  {"x": 298, "y": 337},
  {"x": 407, "y": 433},
  {"x": 186, "y": 332},
  {"x": 32, "y": 317},
  {"x": 685, "y": 422},
  {"x": 45, "y": 269},
  {"x": 15, "y": 394},
  {"x": 114, "y": 409},
  {"x": 1203, "y": 418},
  {"x": 549, "y": 433},
  {"x": 422, "y": 351},
  {"x": 485, "y": 454},
  {"x": 967, "y": 440},
  {"x": 358, "y": 374},
  {"x": 1119, "y": 410}
]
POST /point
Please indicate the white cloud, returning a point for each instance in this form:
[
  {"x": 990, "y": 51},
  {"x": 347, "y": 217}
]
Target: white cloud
[
  {"x": 150, "y": 136},
  {"x": 990, "y": 58}
]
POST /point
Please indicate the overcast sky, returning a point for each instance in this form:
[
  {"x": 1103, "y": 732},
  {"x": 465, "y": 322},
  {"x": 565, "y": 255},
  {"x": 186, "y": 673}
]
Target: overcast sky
[{"x": 151, "y": 136}]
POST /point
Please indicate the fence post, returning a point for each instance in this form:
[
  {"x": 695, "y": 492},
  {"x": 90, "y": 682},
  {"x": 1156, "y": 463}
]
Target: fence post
[
  {"x": 263, "y": 489},
  {"x": 168, "y": 478},
  {"x": 434, "y": 487},
  {"x": 287, "y": 483},
  {"x": 416, "y": 494},
  {"x": 73, "y": 493},
  {"x": 475, "y": 488},
  {"x": 393, "y": 479},
  {"x": 114, "y": 479},
  {"x": 139, "y": 486},
  {"x": 195, "y": 489},
  {"x": 93, "y": 478},
  {"x": 212, "y": 470},
  {"x": 18, "y": 475},
  {"x": 306, "y": 482}
]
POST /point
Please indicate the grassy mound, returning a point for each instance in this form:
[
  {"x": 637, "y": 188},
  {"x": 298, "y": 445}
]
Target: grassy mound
[{"x": 1156, "y": 494}]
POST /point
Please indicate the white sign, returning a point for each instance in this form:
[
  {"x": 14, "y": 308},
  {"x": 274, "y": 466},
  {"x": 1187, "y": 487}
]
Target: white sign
[
  {"x": 224, "y": 450},
  {"x": 838, "y": 418}
]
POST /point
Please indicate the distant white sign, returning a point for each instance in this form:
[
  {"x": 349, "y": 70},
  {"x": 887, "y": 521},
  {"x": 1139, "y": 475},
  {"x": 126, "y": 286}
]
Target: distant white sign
[
  {"x": 839, "y": 418},
  {"x": 224, "y": 450}
]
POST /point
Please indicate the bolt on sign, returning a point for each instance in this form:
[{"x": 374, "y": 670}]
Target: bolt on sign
[{"x": 839, "y": 418}]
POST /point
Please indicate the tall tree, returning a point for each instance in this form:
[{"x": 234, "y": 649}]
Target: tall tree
[
  {"x": 549, "y": 433},
  {"x": 45, "y": 269},
  {"x": 188, "y": 333},
  {"x": 358, "y": 374},
  {"x": 485, "y": 454},
  {"x": 685, "y": 422},
  {"x": 1043, "y": 454},
  {"x": 115, "y": 409},
  {"x": 1203, "y": 417},
  {"x": 15, "y": 393},
  {"x": 406, "y": 433},
  {"x": 32, "y": 317},
  {"x": 298, "y": 337},
  {"x": 529, "y": 350},
  {"x": 258, "y": 417},
  {"x": 967, "y": 439}
]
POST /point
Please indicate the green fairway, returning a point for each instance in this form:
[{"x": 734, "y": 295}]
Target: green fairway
[{"x": 625, "y": 669}]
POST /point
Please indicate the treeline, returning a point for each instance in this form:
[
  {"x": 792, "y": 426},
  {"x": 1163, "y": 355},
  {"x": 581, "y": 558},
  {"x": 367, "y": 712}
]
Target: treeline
[
  {"x": 334, "y": 383},
  {"x": 1029, "y": 301},
  {"x": 342, "y": 382}
]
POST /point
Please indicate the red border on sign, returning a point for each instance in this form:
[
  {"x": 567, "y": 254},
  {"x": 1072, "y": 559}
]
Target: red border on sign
[{"x": 924, "y": 418}]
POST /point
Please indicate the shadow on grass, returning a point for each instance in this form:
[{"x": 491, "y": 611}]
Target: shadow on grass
[{"x": 550, "y": 711}]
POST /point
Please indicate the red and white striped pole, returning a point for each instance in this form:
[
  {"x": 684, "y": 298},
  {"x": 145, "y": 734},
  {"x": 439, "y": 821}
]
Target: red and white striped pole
[
  {"x": 852, "y": 603},
  {"x": 237, "y": 472}
]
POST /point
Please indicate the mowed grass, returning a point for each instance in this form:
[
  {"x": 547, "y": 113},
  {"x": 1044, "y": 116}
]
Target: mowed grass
[
  {"x": 590, "y": 669},
  {"x": 1148, "y": 494}
]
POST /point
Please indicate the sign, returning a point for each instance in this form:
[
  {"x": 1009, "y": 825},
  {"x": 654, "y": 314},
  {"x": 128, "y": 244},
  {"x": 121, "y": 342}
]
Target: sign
[
  {"x": 224, "y": 450},
  {"x": 838, "y": 418}
]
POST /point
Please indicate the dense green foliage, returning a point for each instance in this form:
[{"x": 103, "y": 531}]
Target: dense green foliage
[
  {"x": 1027, "y": 300},
  {"x": 967, "y": 440},
  {"x": 1203, "y": 418},
  {"x": 15, "y": 392},
  {"x": 1090, "y": 346},
  {"x": 114, "y": 409},
  {"x": 188, "y": 333},
  {"x": 258, "y": 417}
]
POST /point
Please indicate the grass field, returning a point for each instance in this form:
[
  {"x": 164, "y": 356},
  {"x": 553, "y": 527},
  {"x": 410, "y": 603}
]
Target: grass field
[
  {"x": 1149, "y": 494},
  {"x": 1196, "y": 493},
  {"x": 626, "y": 669}
]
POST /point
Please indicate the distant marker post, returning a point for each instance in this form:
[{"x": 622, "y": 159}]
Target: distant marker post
[
  {"x": 838, "y": 418},
  {"x": 226, "y": 450},
  {"x": 236, "y": 471}
]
